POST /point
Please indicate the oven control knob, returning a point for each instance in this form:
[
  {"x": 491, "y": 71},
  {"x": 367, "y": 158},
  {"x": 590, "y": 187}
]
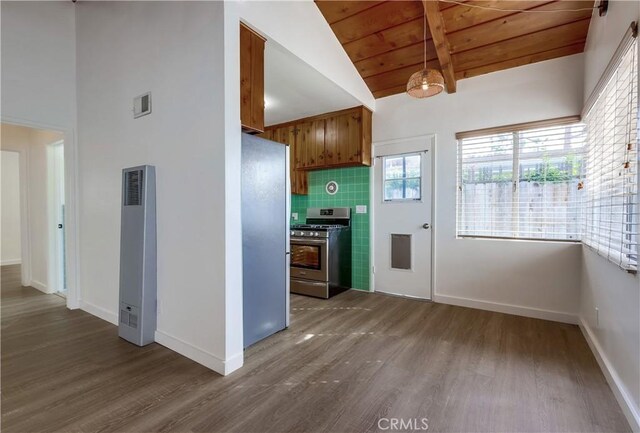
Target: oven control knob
[{"x": 316, "y": 234}]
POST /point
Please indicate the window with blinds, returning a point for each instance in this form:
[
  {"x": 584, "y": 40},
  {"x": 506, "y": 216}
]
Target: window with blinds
[
  {"x": 522, "y": 182},
  {"x": 611, "y": 186}
]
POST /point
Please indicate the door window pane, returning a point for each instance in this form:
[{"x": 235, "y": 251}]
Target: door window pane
[{"x": 402, "y": 177}]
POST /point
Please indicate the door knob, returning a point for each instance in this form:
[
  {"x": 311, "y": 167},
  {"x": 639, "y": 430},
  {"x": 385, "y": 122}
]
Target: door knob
[{"x": 426, "y": 226}]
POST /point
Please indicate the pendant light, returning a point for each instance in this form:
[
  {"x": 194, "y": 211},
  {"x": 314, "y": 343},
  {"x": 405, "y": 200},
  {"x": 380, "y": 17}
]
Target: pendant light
[{"x": 427, "y": 82}]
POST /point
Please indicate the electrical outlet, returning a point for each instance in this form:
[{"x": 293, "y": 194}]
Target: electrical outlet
[
  {"x": 597, "y": 318},
  {"x": 361, "y": 208},
  {"x": 294, "y": 216}
]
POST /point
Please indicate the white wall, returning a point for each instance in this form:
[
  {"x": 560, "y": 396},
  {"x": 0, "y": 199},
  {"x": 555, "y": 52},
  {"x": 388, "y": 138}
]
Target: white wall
[
  {"x": 39, "y": 90},
  {"x": 174, "y": 50},
  {"x": 605, "y": 34},
  {"x": 615, "y": 337},
  {"x": 32, "y": 146},
  {"x": 38, "y": 62},
  {"x": 10, "y": 251},
  {"x": 539, "y": 279}
]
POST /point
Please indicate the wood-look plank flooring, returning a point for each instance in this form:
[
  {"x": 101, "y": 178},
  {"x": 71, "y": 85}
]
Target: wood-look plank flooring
[{"x": 342, "y": 365}]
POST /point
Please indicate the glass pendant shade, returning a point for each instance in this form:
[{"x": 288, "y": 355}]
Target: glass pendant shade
[{"x": 425, "y": 83}]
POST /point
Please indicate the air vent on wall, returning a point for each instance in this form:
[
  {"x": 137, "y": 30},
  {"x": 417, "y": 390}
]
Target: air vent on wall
[
  {"x": 133, "y": 194},
  {"x": 142, "y": 105}
]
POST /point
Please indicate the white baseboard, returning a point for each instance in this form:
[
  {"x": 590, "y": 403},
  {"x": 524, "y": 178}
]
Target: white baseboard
[
  {"x": 200, "y": 356},
  {"x": 100, "y": 312},
  {"x": 631, "y": 412},
  {"x": 555, "y": 316},
  {"x": 40, "y": 286},
  {"x": 10, "y": 262}
]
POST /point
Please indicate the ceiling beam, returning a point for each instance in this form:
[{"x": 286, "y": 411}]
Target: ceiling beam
[{"x": 436, "y": 26}]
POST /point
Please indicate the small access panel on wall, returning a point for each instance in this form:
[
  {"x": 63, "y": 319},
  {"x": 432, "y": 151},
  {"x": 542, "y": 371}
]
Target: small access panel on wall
[{"x": 138, "y": 280}]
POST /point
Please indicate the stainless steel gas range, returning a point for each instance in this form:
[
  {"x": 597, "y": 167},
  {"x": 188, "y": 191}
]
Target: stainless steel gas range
[{"x": 321, "y": 253}]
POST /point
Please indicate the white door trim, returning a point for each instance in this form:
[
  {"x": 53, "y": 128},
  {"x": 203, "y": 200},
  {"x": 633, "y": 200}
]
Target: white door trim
[
  {"x": 434, "y": 223},
  {"x": 71, "y": 214},
  {"x": 55, "y": 275}
]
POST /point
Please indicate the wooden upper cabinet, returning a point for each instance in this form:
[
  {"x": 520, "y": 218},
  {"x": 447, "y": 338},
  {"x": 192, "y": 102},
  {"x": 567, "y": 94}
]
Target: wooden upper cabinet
[
  {"x": 340, "y": 139},
  {"x": 287, "y": 135},
  {"x": 310, "y": 144},
  {"x": 251, "y": 80}
]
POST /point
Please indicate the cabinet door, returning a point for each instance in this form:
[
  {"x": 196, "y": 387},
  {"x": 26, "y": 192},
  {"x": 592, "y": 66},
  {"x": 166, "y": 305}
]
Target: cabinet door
[
  {"x": 267, "y": 135},
  {"x": 287, "y": 135},
  {"x": 310, "y": 145},
  {"x": 343, "y": 139},
  {"x": 251, "y": 80}
]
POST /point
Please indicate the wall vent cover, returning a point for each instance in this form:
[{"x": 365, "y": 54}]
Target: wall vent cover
[
  {"x": 142, "y": 105},
  {"x": 133, "y": 196}
]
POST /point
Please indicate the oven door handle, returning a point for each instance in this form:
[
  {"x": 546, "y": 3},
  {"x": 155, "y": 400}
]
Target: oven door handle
[{"x": 309, "y": 241}]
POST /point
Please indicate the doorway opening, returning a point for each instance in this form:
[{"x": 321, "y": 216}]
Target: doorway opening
[
  {"x": 11, "y": 245},
  {"x": 37, "y": 191}
]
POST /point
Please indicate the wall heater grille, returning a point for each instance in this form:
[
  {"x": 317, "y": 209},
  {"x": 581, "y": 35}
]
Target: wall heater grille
[{"x": 138, "y": 256}]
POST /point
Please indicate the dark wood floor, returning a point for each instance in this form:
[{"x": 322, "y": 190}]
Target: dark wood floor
[{"x": 343, "y": 364}]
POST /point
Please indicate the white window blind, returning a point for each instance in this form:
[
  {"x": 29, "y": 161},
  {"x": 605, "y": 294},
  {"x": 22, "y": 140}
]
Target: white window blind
[
  {"x": 611, "y": 205},
  {"x": 522, "y": 182}
]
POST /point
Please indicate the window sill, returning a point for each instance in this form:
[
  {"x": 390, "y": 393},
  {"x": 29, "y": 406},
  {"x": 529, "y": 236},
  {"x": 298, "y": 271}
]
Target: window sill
[{"x": 536, "y": 240}]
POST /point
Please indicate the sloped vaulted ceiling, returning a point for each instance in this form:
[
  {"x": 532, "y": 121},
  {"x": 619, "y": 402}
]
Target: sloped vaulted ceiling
[{"x": 384, "y": 39}]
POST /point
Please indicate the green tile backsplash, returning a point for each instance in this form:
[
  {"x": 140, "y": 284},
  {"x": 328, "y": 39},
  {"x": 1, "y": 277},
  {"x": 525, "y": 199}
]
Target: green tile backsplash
[{"x": 353, "y": 189}]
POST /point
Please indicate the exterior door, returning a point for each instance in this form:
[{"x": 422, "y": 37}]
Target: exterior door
[{"x": 402, "y": 217}]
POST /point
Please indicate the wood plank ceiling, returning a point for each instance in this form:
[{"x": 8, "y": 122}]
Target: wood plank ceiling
[{"x": 384, "y": 39}]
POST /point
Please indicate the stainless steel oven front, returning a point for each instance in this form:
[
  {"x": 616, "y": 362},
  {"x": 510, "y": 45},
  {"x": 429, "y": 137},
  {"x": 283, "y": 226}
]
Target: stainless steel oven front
[{"x": 310, "y": 258}]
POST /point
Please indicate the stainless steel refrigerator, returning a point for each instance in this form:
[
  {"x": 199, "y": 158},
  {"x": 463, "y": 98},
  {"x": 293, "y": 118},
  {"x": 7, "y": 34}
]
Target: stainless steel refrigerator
[{"x": 265, "y": 237}]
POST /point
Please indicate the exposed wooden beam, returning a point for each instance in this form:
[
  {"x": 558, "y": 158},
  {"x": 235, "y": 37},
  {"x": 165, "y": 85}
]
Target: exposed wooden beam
[{"x": 436, "y": 26}]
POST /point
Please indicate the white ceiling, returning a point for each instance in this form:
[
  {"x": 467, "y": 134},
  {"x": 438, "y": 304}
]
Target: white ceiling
[{"x": 293, "y": 89}]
